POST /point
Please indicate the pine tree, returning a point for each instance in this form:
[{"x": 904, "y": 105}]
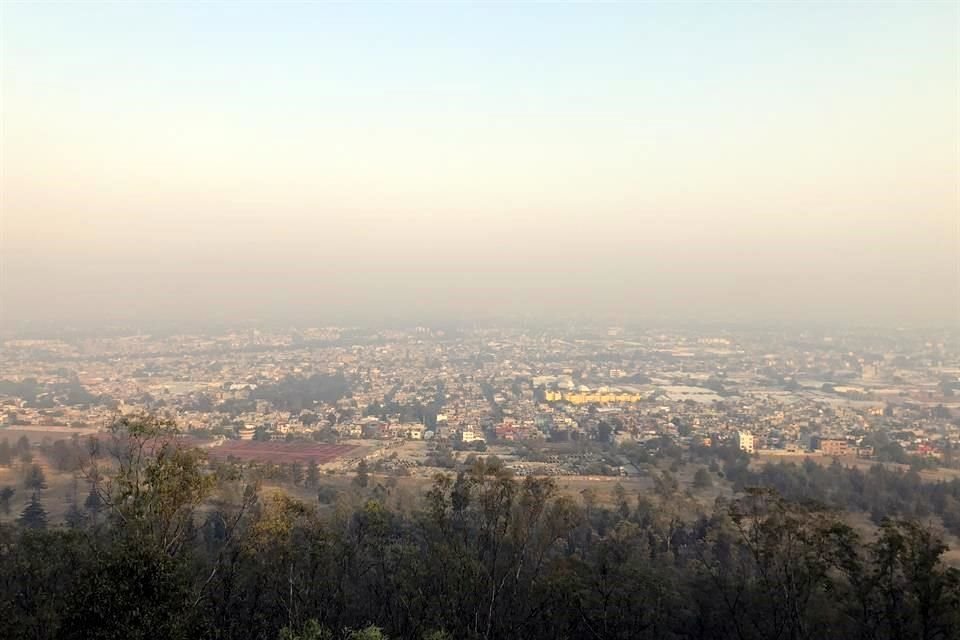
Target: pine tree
[
  {"x": 313, "y": 475},
  {"x": 5, "y": 495},
  {"x": 6, "y": 456},
  {"x": 34, "y": 516},
  {"x": 362, "y": 479},
  {"x": 34, "y": 479},
  {"x": 702, "y": 479},
  {"x": 75, "y": 516},
  {"x": 93, "y": 503}
]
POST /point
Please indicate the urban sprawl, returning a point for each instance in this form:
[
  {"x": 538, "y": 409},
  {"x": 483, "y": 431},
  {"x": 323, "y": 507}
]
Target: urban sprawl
[{"x": 410, "y": 399}]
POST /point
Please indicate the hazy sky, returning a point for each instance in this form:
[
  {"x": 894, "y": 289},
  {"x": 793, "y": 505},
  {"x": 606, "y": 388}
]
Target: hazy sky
[{"x": 736, "y": 161}]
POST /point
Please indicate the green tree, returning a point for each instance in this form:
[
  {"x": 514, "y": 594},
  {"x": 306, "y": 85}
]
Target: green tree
[
  {"x": 362, "y": 479},
  {"x": 312, "y": 630},
  {"x": 313, "y": 474},
  {"x": 919, "y": 597},
  {"x": 702, "y": 479},
  {"x": 93, "y": 503},
  {"x": 296, "y": 473},
  {"x": 157, "y": 484},
  {"x": 370, "y": 632},
  {"x": 6, "y": 494},
  {"x": 75, "y": 516},
  {"x": 6, "y": 455},
  {"x": 34, "y": 478},
  {"x": 34, "y": 516}
]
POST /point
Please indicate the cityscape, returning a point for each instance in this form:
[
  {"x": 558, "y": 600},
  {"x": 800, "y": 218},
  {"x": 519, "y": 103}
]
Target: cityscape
[
  {"x": 503, "y": 320},
  {"x": 401, "y": 398}
]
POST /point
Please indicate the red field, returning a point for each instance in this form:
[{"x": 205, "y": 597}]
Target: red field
[{"x": 277, "y": 452}]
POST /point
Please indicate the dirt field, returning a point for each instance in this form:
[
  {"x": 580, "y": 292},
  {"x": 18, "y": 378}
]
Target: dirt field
[{"x": 37, "y": 434}]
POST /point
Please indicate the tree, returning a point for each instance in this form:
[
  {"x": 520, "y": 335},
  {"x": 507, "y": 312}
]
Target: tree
[
  {"x": 296, "y": 473},
  {"x": 63, "y": 455},
  {"x": 917, "y": 595},
  {"x": 603, "y": 431},
  {"x": 93, "y": 503},
  {"x": 157, "y": 483},
  {"x": 6, "y": 494},
  {"x": 34, "y": 516},
  {"x": 34, "y": 479},
  {"x": 665, "y": 484},
  {"x": 367, "y": 633},
  {"x": 75, "y": 517},
  {"x": 327, "y": 495},
  {"x": 485, "y": 555},
  {"x": 6, "y": 455},
  {"x": 93, "y": 447},
  {"x": 362, "y": 479},
  {"x": 312, "y": 630},
  {"x": 23, "y": 445},
  {"x": 702, "y": 479},
  {"x": 313, "y": 474}
]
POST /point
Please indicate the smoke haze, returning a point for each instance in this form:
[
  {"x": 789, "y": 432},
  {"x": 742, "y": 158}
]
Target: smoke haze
[{"x": 318, "y": 163}]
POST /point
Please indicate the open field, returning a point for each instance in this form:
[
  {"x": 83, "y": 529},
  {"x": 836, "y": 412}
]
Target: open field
[
  {"x": 36, "y": 434},
  {"x": 282, "y": 452}
]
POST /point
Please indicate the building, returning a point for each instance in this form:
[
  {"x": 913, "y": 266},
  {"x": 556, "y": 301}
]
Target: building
[
  {"x": 834, "y": 447},
  {"x": 746, "y": 442},
  {"x": 593, "y": 397},
  {"x": 415, "y": 431},
  {"x": 469, "y": 435}
]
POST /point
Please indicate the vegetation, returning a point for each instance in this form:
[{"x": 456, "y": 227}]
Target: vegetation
[
  {"x": 174, "y": 547},
  {"x": 48, "y": 396},
  {"x": 880, "y": 492},
  {"x": 297, "y": 393}
]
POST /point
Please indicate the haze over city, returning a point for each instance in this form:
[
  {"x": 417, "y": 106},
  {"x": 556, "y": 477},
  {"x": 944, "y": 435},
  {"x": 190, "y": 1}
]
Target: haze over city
[
  {"x": 479, "y": 321},
  {"x": 197, "y": 162}
]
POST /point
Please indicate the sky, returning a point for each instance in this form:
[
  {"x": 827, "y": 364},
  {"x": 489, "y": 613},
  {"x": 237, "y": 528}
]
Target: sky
[{"x": 320, "y": 163}]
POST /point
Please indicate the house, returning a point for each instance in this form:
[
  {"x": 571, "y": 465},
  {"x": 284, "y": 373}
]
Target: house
[{"x": 745, "y": 441}]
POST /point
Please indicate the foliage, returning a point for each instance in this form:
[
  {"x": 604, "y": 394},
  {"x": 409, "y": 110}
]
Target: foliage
[
  {"x": 34, "y": 478},
  {"x": 6, "y": 494},
  {"x": 702, "y": 479},
  {"x": 296, "y": 394},
  {"x": 190, "y": 550},
  {"x": 34, "y": 516}
]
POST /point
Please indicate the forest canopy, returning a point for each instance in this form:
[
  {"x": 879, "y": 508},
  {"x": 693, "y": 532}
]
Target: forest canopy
[{"x": 171, "y": 545}]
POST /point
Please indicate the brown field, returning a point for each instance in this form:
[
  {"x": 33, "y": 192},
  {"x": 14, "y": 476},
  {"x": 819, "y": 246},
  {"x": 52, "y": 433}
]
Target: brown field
[
  {"x": 282, "y": 452},
  {"x": 36, "y": 434}
]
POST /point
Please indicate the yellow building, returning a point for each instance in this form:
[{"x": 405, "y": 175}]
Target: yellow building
[{"x": 593, "y": 397}]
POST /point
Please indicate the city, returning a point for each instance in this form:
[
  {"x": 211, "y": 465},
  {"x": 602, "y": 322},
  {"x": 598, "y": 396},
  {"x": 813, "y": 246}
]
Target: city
[
  {"x": 536, "y": 398},
  {"x": 503, "y": 320}
]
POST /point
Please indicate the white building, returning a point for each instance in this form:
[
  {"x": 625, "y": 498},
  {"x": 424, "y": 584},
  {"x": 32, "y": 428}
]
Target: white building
[{"x": 745, "y": 441}]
